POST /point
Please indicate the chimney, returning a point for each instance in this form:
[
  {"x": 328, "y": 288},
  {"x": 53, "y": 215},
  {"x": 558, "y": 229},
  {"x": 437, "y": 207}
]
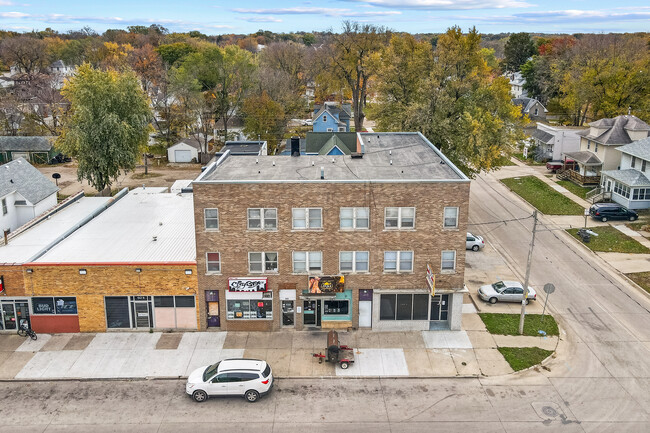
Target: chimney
[
  {"x": 295, "y": 146},
  {"x": 6, "y": 232}
]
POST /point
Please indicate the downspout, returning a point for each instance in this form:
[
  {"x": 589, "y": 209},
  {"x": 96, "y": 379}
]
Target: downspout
[{"x": 80, "y": 224}]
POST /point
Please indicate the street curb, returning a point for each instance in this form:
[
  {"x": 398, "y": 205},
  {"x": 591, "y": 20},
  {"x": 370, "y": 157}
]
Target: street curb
[{"x": 143, "y": 379}]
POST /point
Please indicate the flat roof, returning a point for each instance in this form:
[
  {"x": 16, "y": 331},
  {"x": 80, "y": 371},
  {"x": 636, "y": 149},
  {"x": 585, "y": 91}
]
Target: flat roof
[
  {"x": 26, "y": 245},
  {"x": 125, "y": 233},
  {"x": 387, "y": 157}
]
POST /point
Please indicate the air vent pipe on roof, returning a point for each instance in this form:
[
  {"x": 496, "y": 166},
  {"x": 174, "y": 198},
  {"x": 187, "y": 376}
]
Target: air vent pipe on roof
[{"x": 322, "y": 172}]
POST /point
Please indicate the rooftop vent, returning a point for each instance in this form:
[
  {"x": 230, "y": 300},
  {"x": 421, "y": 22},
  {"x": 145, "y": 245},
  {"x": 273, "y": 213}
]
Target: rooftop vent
[
  {"x": 322, "y": 172},
  {"x": 356, "y": 155}
]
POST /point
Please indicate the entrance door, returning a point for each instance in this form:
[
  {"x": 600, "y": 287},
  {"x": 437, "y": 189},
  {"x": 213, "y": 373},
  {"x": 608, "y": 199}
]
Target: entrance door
[
  {"x": 142, "y": 315},
  {"x": 288, "y": 315},
  {"x": 312, "y": 313},
  {"x": 22, "y": 313},
  {"x": 439, "y": 312},
  {"x": 8, "y": 316},
  {"x": 365, "y": 314}
]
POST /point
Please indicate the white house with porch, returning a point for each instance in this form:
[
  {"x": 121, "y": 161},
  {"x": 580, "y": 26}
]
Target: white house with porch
[
  {"x": 630, "y": 185},
  {"x": 599, "y": 144}
]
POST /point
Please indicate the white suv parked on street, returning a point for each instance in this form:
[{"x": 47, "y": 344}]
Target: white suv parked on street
[{"x": 250, "y": 378}]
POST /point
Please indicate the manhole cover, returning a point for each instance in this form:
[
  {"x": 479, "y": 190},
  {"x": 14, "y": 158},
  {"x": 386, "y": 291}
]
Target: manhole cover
[{"x": 549, "y": 411}]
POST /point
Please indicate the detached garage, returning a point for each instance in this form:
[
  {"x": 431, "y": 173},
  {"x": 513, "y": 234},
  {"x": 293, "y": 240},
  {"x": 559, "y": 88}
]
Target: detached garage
[{"x": 186, "y": 150}]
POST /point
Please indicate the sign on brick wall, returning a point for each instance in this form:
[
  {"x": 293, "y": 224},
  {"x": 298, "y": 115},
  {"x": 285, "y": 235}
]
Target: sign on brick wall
[
  {"x": 326, "y": 284},
  {"x": 247, "y": 284}
]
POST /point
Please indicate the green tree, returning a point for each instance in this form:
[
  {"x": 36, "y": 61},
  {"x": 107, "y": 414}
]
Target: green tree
[
  {"x": 518, "y": 49},
  {"x": 265, "y": 118},
  {"x": 172, "y": 53},
  {"x": 353, "y": 58},
  {"x": 458, "y": 104},
  {"x": 107, "y": 125}
]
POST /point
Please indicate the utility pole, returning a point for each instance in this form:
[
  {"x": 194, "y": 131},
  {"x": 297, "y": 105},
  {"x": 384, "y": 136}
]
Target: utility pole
[{"x": 530, "y": 258}]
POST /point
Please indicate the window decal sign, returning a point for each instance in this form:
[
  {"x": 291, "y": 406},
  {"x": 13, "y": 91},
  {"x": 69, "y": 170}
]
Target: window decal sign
[
  {"x": 247, "y": 284},
  {"x": 327, "y": 284}
]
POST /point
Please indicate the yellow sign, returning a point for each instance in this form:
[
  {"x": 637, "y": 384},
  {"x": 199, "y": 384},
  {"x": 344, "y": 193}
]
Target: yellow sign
[{"x": 431, "y": 280}]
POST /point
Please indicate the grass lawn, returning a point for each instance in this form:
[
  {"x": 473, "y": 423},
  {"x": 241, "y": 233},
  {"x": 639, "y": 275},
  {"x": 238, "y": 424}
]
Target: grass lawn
[
  {"x": 642, "y": 279},
  {"x": 145, "y": 176},
  {"x": 610, "y": 240},
  {"x": 576, "y": 189},
  {"x": 542, "y": 196},
  {"x": 521, "y": 358},
  {"x": 508, "y": 324}
]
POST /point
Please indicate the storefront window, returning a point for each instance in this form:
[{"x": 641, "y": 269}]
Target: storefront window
[
  {"x": 250, "y": 309},
  {"x": 54, "y": 305},
  {"x": 405, "y": 306},
  {"x": 336, "y": 307}
]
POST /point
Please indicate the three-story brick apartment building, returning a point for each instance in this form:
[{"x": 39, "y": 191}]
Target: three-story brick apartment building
[{"x": 315, "y": 241}]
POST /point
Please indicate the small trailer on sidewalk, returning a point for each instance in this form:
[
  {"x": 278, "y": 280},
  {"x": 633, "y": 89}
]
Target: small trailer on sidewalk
[{"x": 337, "y": 353}]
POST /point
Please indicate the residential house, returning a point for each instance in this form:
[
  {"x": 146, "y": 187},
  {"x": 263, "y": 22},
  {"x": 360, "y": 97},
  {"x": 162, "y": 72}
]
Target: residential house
[
  {"x": 24, "y": 194},
  {"x": 330, "y": 117},
  {"x": 551, "y": 142},
  {"x": 598, "y": 146},
  {"x": 35, "y": 149},
  {"x": 517, "y": 82},
  {"x": 186, "y": 150},
  {"x": 325, "y": 143},
  {"x": 333, "y": 241},
  {"x": 630, "y": 184},
  {"x": 531, "y": 107}
]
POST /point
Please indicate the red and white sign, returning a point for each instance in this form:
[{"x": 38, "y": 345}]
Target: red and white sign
[
  {"x": 247, "y": 284},
  {"x": 431, "y": 280},
  {"x": 2, "y": 283}
]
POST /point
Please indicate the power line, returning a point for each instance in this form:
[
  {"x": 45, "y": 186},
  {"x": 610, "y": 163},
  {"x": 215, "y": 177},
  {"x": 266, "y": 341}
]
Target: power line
[{"x": 500, "y": 221}]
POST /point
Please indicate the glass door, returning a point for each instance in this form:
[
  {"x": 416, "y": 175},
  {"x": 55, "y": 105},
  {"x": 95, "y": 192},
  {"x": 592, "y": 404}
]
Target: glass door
[
  {"x": 309, "y": 313},
  {"x": 142, "y": 315},
  {"x": 22, "y": 313},
  {"x": 288, "y": 315},
  {"x": 8, "y": 315}
]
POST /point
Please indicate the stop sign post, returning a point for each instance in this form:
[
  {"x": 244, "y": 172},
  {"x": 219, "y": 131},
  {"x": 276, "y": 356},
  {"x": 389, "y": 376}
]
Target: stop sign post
[{"x": 548, "y": 289}]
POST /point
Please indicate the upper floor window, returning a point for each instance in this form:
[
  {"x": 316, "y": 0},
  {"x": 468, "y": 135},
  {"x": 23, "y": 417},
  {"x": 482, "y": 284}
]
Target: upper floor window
[
  {"x": 451, "y": 217},
  {"x": 307, "y": 261},
  {"x": 596, "y": 146},
  {"x": 262, "y": 262},
  {"x": 355, "y": 218},
  {"x": 643, "y": 165},
  {"x": 324, "y": 118},
  {"x": 633, "y": 163},
  {"x": 262, "y": 219},
  {"x": 211, "y": 219},
  {"x": 353, "y": 261},
  {"x": 588, "y": 144},
  {"x": 213, "y": 262},
  {"x": 399, "y": 217},
  {"x": 398, "y": 261},
  {"x": 307, "y": 218},
  {"x": 448, "y": 261},
  {"x": 4, "y": 206}
]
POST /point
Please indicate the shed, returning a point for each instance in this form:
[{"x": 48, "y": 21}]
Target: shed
[
  {"x": 35, "y": 149},
  {"x": 186, "y": 150}
]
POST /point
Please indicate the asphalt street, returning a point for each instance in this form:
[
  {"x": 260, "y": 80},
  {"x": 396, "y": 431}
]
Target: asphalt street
[{"x": 599, "y": 382}]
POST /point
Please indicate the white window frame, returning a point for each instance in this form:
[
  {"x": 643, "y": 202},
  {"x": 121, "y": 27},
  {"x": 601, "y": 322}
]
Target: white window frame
[
  {"x": 443, "y": 260},
  {"x": 306, "y": 218},
  {"x": 207, "y": 263},
  {"x": 355, "y": 262},
  {"x": 261, "y": 218},
  {"x": 400, "y": 218},
  {"x": 307, "y": 261},
  {"x": 444, "y": 217},
  {"x": 206, "y": 218},
  {"x": 263, "y": 262},
  {"x": 398, "y": 262},
  {"x": 355, "y": 218}
]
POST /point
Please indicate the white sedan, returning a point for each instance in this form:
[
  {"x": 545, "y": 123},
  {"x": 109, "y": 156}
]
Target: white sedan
[
  {"x": 474, "y": 242},
  {"x": 505, "y": 291}
]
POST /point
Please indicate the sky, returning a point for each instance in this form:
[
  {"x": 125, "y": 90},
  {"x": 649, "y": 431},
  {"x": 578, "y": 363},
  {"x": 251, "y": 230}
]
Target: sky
[{"x": 248, "y": 16}]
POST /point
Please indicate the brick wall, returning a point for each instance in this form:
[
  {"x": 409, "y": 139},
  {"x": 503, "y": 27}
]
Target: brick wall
[
  {"x": 13, "y": 276},
  {"x": 100, "y": 281},
  {"x": 234, "y": 241}
]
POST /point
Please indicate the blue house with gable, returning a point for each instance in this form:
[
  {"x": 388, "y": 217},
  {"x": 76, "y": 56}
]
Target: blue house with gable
[{"x": 329, "y": 117}]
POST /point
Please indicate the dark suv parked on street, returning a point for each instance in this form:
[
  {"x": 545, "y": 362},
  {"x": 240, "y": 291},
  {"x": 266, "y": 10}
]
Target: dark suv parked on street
[{"x": 611, "y": 211}]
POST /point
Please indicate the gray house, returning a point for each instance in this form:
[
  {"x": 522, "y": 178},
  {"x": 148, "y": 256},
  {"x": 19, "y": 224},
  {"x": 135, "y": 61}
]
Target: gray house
[
  {"x": 24, "y": 194},
  {"x": 531, "y": 107},
  {"x": 37, "y": 150},
  {"x": 630, "y": 185}
]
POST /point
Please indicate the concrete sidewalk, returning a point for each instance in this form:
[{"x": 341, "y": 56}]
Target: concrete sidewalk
[{"x": 471, "y": 352}]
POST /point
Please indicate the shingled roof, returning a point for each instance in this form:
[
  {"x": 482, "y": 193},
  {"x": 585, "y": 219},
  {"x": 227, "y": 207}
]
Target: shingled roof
[
  {"x": 20, "y": 176},
  {"x": 26, "y": 144},
  {"x": 616, "y": 129}
]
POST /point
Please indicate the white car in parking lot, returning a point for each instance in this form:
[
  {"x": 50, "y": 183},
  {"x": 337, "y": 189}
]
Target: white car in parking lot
[
  {"x": 250, "y": 378},
  {"x": 474, "y": 242},
  {"x": 505, "y": 291}
]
